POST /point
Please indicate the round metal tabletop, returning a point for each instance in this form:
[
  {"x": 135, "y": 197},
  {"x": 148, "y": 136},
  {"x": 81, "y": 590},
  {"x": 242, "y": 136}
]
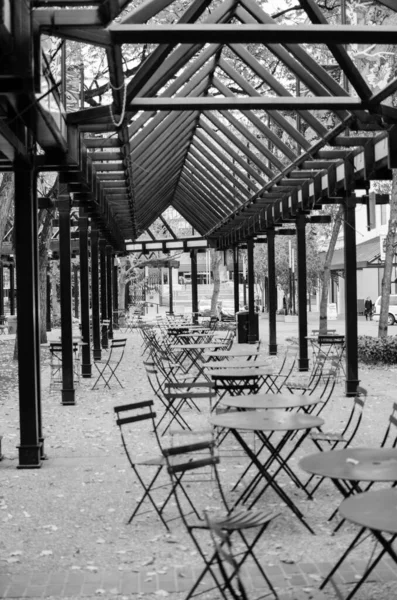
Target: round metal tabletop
[
  {"x": 354, "y": 464},
  {"x": 264, "y": 421},
  {"x": 265, "y": 401},
  {"x": 374, "y": 510}
]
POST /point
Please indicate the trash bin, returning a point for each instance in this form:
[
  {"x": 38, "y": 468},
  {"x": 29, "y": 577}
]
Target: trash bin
[
  {"x": 242, "y": 326},
  {"x": 244, "y": 335},
  {"x": 12, "y": 324}
]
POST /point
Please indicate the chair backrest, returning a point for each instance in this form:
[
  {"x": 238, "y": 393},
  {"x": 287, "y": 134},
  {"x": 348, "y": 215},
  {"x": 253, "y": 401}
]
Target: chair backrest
[
  {"x": 331, "y": 340},
  {"x": 133, "y": 413},
  {"x": 190, "y": 458},
  {"x": 355, "y": 417},
  {"x": 390, "y": 436}
]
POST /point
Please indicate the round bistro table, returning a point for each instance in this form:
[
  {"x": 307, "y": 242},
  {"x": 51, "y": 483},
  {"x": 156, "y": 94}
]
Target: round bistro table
[{"x": 263, "y": 424}]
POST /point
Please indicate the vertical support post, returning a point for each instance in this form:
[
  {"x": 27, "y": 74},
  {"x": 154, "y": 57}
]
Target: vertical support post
[
  {"x": 193, "y": 269},
  {"x": 25, "y": 224},
  {"x": 1, "y": 290},
  {"x": 109, "y": 289},
  {"x": 115, "y": 294},
  {"x": 48, "y": 300},
  {"x": 84, "y": 296},
  {"x": 76, "y": 291},
  {"x": 302, "y": 291},
  {"x": 12, "y": 289},
  {"x": 252, "y": 322},
  {"x": 236, "y": 282},
  {"x": 171, "y": 311},
  {"x": 104, "y": 311},
  {"x": 65, "y": 255},
  {"x": 96, "y": 328},
  {"x": 352, "y": 380},
  {"x": 271, "y": 265}
]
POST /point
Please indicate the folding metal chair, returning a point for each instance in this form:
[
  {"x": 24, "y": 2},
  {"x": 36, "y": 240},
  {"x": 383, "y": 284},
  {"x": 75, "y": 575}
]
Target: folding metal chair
[
  {"x": 107, "y": 367},
  {"x": 193, "y": 458},
  {"x": 187, "y": 394},
  {"x": 226, "y": 561},
  {"x": 148, "y": 471},
  {"x": 157, "y": 381},
  {"x": 56, "y": 380},
  {"x": 331, "y": 440}
]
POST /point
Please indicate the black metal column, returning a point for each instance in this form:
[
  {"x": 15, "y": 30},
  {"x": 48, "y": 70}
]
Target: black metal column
[
  {"x": 352, "y": 380},
  {"x": 12, "y": 289},
  {"x": 115, "y": 295},
  {"x": 84, "y": 296},
  {"x": 1, "y": 290},
  {"x": 272, "y": 291},
  {"x": 104, "y": 311},
  {"x": 25, "y": 225},
  {"x": 48, "y": 300},
  {"x": 236, "y": 280},
  {"x": 302, "y": 292},
  {"x": 76, "y": 291},
  {"x": 193, "y": 267},
  {"x": 96, "y": 325},
  {"x": 252, "y": 321},
  {"x": 109, "y": 289},
  {"x": 171, "y": 311},
  {"x": 65, "y": 276}
]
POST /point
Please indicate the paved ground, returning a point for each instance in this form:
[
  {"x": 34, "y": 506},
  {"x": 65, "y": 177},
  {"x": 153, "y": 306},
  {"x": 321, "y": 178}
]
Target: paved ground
[{"x": 64, "y": 531}]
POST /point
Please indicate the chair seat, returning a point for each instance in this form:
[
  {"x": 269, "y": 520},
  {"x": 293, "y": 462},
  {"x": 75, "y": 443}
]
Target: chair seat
[
  {"x": 331, "y": 437},
  {"x": 240, "y": 518}
]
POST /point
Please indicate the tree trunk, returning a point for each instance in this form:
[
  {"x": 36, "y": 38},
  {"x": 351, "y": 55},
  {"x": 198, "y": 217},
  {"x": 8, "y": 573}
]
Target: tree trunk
[
  {"x": 216, "y": 258},
  {"x": 45, "y": 217},
  {"x": 6, "y": 202},
  {"x": 389, "y": 256},
  {"x": 327, "y": 270}
]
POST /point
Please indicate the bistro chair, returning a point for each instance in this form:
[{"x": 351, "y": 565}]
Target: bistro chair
[
  {"x": 56, "y": 364},
  {"x": 107, "y": 367},
  {"x": 226, "y": 561},
  {"x": 147, "y": 471},
  {"x": 329, "y": 440},
  {"x": 221, "y": 521}
]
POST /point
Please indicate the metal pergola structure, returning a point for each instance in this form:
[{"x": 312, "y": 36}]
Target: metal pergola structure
[{"x": 202, "y": 125}]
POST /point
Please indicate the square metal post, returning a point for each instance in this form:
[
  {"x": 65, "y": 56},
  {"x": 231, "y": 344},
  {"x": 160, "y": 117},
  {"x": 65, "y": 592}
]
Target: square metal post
[
  {"x": 65, "y": 268},
  {"x": 193, "y": 263},
  {"x": 236, "y": 282},
  {"x": 302, "y": 291},
  {"x": 103, "y": 288},
  {"x": 253, "y": 332},
  {"x": 84, "y": 296},
  {"x": 25, "y": 225},
  {"x": 96, "y": 326},
  {"x": 271, "y": 265},
  {"x": 350, "y": 253}
]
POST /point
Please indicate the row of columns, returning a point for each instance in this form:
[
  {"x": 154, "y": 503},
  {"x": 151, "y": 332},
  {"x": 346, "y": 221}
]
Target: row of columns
[
  {"x": 351, "y": 331},
  {"x": 31, "y": 447}
]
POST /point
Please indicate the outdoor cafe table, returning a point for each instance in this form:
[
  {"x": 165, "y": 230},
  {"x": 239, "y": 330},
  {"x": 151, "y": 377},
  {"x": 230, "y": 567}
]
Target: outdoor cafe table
[
  {"x": 272, "y": 402},
  {"x": 263, "y": 425},
  {"x": 194, "y": 352},
  {"x": 234, "y": 353},
  {"x": 375, "y": 513},
  {"x": 347, "y": 468}
]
